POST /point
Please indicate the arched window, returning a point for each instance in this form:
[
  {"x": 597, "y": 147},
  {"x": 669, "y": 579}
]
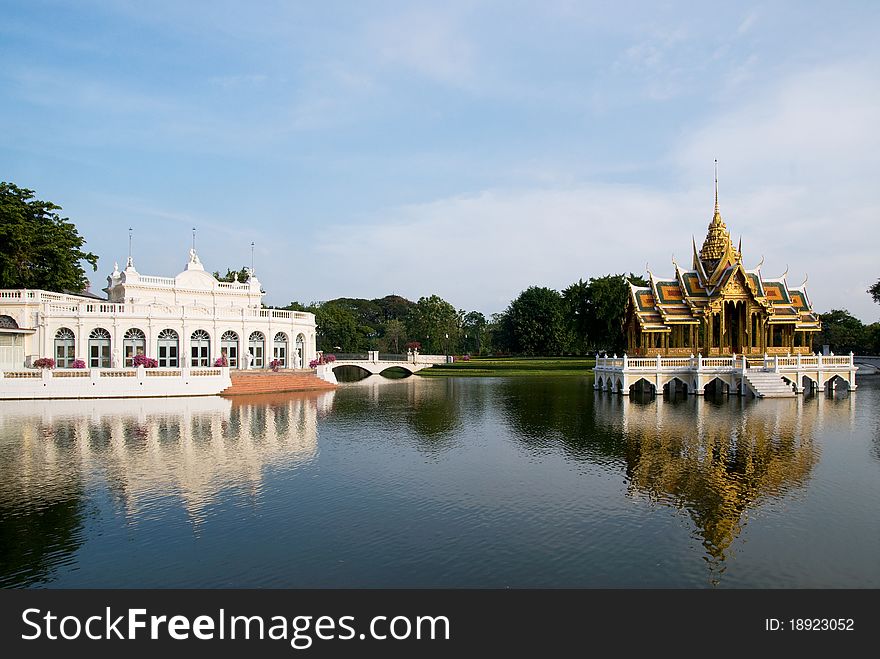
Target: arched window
[
  {"x": 99, "y": 348},
  {"x": 257, "y": 346},
  {"x": 133, "y": 343},
  {"x": 298, "y": 358},
  {"x": 200, "y": 348},
  {"x": 229, "y": 348},
  {"x": 168, "y": 347},
  {"x": 279, "y": 348},
  {"x": 65, "y": 348}
]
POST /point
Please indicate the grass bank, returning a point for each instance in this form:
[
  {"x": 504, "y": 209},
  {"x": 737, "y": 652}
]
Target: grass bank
[{"x": 511, "y": 366}]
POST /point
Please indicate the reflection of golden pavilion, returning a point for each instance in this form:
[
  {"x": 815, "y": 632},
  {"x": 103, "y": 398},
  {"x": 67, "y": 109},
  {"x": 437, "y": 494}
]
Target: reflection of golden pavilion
[
  {"x": 719, "y": 463},
  {"x": 194, "y": 447},
  {"x": 718, "y": 307}
]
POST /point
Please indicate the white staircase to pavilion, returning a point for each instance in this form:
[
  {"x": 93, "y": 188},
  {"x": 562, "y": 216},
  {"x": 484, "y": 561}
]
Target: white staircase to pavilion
[{"x": 767, "y": 384}]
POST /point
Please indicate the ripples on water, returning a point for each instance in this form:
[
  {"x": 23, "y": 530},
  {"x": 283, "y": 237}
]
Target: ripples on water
[{"x": 483, "y": 482}]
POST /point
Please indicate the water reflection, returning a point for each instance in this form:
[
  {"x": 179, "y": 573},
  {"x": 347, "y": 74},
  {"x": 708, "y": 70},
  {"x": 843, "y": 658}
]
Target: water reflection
[
  {"x": 718, "y": 459},
  {"x": 148, "y": 453},
  {"x": 429, "y": 408}
]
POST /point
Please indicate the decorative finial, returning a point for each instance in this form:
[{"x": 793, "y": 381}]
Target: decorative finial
[
  {"x": 129, "y": 243},
  {"x": 194, "y": 240},
  {"x": 716, "y": 186},
  {"x": 758, "y": 267},
  {"x": 784, "y": 274},
  {"x": 252, "y": 256},
  {"x": 806, "y": 277},
  {"x": 673, "y": 261}
]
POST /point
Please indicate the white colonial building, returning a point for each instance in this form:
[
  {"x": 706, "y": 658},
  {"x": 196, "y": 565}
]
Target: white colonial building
[{"x": 188, "y": 321}]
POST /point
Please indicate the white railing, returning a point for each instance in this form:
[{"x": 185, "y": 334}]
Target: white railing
[
  {"x": 157, "y": 281},
  {"x": 734, "y": 362},
  {"x": 28, "y": 296}
]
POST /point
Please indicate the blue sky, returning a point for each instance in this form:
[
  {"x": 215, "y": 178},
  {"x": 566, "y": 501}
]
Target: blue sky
[{"x": 465, "y": 149}]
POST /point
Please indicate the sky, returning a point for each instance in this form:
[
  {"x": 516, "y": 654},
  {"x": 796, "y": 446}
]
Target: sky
[{"x": 464, "y": 149}]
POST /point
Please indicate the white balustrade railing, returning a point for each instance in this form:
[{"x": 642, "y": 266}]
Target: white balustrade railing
[
  {"x": 156, "y": 281},
  {"x": 698, "y": 363}
]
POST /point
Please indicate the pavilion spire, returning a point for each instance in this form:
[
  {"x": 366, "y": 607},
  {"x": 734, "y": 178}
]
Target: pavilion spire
[{"x": 717, "y": 210}]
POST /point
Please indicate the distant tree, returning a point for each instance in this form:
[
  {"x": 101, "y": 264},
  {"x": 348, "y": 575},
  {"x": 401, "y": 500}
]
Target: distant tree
[
  {"x": 38, "y": 247},
  {"x": 395, "y": 334},
  {"x": 297, "y": 306},
  {"x": 337, "y": 329},
  {"x": 844, "y": 333},
  {"x": 394, "y": 307},
  {"x": 874, "y": 291},
  {"x": 536, "y": 322},
  {"x": 576, "y": 299},
  {"x": 497, "y": 338},
  {"x": 232, "y": 275},
  {"x": 608, "y": 296},
  {"x": 430, "y": 321},
  {"x": 473, "y": 325}
]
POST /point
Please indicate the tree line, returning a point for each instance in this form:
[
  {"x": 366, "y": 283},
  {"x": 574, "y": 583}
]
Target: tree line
[
  {"x": 541, "y": 321},
  {"x": 40, "y": 249}
]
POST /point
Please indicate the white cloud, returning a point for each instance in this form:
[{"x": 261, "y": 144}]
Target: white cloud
[{"x": 796, "y": 168}]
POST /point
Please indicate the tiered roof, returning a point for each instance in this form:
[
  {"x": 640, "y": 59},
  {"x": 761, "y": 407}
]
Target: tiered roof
[{"x": 681, "y": 298}]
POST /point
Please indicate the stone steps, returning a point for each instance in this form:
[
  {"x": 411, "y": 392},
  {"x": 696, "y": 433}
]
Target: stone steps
[
  {"x": 268, "y": 383},
  {"x": 766, "y": 384}
]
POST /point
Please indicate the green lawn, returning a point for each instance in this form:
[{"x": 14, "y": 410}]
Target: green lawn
[{"x": 510, "y": 366}]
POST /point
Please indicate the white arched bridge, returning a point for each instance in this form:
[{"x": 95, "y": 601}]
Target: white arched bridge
[{"x": 374, "y": 363}]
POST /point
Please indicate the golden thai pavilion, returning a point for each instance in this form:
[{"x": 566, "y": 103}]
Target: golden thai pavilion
[{"x": 718, "y": 307}]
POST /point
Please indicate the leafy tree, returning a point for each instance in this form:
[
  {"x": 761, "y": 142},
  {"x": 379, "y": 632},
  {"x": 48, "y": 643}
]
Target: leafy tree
[
  {"x": 337, "y": 329},
  {"x": 473, "y": 325},
  {"x": 875, "y": 292},
  {"x": 394, "y": 307},
  {"x": 38, "y": 247},
  {"x": 497, "y": 338},
  {"x": 232, "y": 275},
  {"x": 844, "y": 333},
  {"x": 576, "y": 299},
  {"x": 297, "y": 306},
  {"x": 536, "y": 322},
  {"x": 395, "y": 334},
  {"x": 606, "y": 306},
  {"x": 430, "y": 321}
]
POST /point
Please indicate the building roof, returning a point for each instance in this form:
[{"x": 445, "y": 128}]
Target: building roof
[{"x": 718, "y": 273}]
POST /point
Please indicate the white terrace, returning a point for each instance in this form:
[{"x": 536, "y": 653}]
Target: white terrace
[{"x": 765, "y": 376}]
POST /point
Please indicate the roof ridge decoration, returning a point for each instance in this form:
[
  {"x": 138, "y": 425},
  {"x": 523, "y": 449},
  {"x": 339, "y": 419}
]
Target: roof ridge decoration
[{"x": 718, "y": 251}]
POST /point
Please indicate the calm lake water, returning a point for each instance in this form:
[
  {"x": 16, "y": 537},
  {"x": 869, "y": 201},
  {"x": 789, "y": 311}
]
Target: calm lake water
[{"x": 459, "y": 482}]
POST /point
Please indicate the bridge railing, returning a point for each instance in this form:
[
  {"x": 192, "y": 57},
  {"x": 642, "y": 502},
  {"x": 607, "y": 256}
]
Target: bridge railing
[
  {"x": 383, "y": 357},
  {"x": 349, "y": 356}
]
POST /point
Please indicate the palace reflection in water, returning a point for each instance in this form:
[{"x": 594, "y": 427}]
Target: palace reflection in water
[
  {"x": 486, "y": 482},
  {"x": 188, "y": 450}
]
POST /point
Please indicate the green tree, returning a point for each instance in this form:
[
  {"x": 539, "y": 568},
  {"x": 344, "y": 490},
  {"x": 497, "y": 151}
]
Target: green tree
[
  {"x": 874, "y": 291},
  {"x": 395, "y": 334},
  {"x": 298, "y": 306},
  {"x": 232, "y": 275},
  {"x": 576, "y": 299},
  {"x": 473, "y": 326},
  {"x": 337, "y": 329},
  {"x": 607, "y": 299},
  {"x": 536, "y": 322},
  {"x": 430, "y": 321},
  {"x": 38, "y": 247},
  {"x": 843, "y": 333}
]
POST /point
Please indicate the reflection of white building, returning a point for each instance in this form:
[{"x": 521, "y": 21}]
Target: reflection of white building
[
  {"x": 145, "y": 450},
  {"x": 189, "y": 320}
]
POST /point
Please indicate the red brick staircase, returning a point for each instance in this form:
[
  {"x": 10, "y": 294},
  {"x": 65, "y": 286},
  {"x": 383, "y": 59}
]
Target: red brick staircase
[{"x": 267, "y": 382}]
